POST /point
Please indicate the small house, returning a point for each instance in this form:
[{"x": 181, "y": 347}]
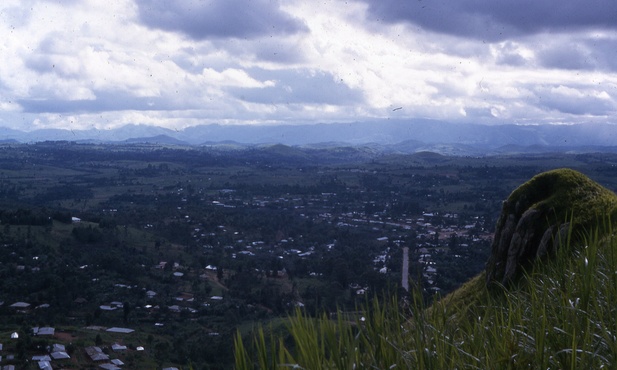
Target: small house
[
  {"x": 118, "y": 347},
  {"x": 96, "y": 354},
  {"x": 45, "y": 330}
]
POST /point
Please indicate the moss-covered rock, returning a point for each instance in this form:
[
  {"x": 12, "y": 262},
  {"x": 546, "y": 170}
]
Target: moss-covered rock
[{"x": 539, "y": 214}]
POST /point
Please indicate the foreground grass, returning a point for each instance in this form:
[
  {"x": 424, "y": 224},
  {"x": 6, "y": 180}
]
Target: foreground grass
[{"x": 562, "y": 316}]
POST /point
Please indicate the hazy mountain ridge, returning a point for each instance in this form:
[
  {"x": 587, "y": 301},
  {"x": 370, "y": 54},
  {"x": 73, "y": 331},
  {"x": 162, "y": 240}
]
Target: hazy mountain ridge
[{"x": 386, "y": 136}]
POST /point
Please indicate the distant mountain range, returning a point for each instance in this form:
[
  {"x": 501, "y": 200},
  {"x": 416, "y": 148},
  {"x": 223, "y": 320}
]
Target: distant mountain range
[{"x": 385, "y": 135}]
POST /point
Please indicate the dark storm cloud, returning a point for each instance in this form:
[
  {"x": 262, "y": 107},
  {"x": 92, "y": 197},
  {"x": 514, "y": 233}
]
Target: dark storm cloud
[
  {"x": 299, "y": 87},
  {"x": 575, "y": 54},
  {"x": 219, "y": 18},
  {"x": 566, "y": 58},
  {"x": 497, "y": 19}
]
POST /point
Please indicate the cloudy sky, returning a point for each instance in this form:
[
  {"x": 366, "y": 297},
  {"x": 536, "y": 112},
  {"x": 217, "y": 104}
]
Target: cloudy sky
[{"x": 83, "y": 64}]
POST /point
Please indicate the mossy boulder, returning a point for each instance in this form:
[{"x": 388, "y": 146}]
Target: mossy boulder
[{"x": 540, "y": 214}]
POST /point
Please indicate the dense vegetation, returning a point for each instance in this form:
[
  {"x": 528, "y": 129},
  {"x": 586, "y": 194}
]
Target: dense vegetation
[{"x": 189, "y": 245}]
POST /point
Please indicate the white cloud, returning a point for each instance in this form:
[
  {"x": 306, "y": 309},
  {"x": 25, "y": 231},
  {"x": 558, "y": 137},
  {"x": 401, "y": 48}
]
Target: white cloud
[
  {"x": 233, "y": 77},
  {"x": 102, "y": 64}
]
